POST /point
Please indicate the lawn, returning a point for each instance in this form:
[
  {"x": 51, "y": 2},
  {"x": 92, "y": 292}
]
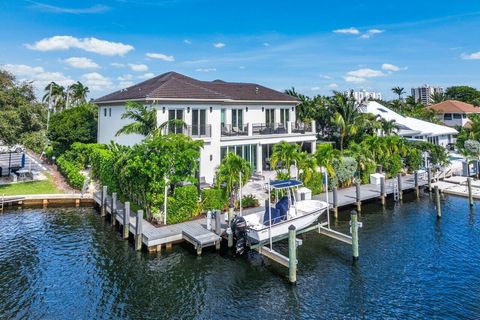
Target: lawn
[{"x": 34, "y": 187}]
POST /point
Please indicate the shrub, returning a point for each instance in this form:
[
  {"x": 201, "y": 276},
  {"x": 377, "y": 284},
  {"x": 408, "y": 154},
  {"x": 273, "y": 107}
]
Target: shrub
[
  {"x": 413, "y": 160},
  {"x": 315, "y": 183},
  {"x": 71, "y": 172},
  {"x": 214, "y": 199},
  {"x": 392, "y": 164},
  {"x": 183, "y": 205},
  {"x": 35, "y": 141},
  {"x": 103, "y": 164},
  {"x": 344, "y": 171},
  {"x": 249, "y": 201}
]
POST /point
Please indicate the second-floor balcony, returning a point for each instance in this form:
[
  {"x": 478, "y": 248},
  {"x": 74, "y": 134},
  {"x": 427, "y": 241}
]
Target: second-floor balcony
[
  {"x": 259, "y": 129},
  {"x": 194, "y": 131}
]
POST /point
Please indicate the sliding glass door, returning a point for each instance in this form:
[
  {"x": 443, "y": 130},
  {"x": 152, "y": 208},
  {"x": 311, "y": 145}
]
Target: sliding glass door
[
  {"x": 175, "y": 126},
  {"x": 199, "y": 122}
]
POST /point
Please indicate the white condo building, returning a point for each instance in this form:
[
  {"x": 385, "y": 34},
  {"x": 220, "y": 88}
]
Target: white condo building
[
  {"x": 244, "y": 118},
  {"x": 364, "y": 95},
  {"x": 424, "y": 93}
]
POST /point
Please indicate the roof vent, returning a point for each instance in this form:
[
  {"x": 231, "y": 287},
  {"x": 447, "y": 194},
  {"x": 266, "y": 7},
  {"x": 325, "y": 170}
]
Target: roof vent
[{"x": 256, "y": 90}]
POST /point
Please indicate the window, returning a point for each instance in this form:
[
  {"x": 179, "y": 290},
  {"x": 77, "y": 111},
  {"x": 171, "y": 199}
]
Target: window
[
  {"x": 447, "y": 116},
  {"x": 269, "y": 117},
  {"x": 457, "y": 116},
  {"x": 284, "y": 116},
  {"x": 247, "y": 152},
  {"x": 237, "y": 118},
  {"x": 199, "y": 122},
  {"x": 109, "y": 112},
  {"x": 175, "y": 115},
  {"x": 104, "y": 112},
  {"x": 222, "y": 118}
]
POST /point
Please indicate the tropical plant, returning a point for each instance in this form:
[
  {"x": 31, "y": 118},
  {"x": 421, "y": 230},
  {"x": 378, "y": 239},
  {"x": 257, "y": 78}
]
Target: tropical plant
[
  {"x": 78, "y": 93},
  {"x": 325, "y": 157},
  {"x": 398, "y": 91},
  {"x": 389, "y": 127},
  {"x": 345, "y": 116},
  {"x": 144, "y": 120},
  {"x": 437, "y": 97},
  {"x": 228, "y": 174},
  {"x": 284, "y": 155},
  {"x": 55, "y": 96},
  {"x": 463, "y": 93},
  {"x": 345, "y": 169}
]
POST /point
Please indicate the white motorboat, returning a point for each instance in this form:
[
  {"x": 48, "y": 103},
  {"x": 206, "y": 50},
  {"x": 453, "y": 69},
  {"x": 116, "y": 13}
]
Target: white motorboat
[{"x": 274, "y": 222}]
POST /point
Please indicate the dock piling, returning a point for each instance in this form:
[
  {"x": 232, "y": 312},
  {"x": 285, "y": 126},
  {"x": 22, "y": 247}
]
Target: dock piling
[
  {"x": 209, "y": 220},
  {"x": 138, "y": 231},
  {"x": 417, "y": 188},
  {"x": 354, "y": 231},
  {"x": 114, "y": 208},
  {"x": 335, "y": 202},
  {"x": 218, "y": 224},
  {"x": 103, "y": 209},
  {"x": 400, "y": 189},
  {"x": 358, "y": 196},
  {"x": 229, "y": 229},
  {"x": 429, "y": 177},
  {"x": 292, "y": 254},
  {"x": 382, "y": 190},
  {"x": 470, "y": 195},
  {"x": 126, "y": 220},
  {"x": 437, "y": 202}
]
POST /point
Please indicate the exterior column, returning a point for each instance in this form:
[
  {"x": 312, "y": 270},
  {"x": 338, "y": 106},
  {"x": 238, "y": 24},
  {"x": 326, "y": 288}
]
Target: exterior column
[
  {"x": 289, "y": 127},
  {"x": 250, "y": 129},
  {"x": 259, "y": 158},
  {"x": 314, "y": 147},
  {"x": 314, "y": 126}
]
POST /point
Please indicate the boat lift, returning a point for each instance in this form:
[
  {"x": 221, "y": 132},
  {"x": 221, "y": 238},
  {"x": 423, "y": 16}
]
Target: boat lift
[{"x": 323, "y": 228}]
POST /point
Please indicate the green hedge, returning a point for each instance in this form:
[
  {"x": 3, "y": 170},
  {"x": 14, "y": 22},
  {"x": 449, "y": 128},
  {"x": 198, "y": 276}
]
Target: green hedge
[
  {"x": 183, "y": 205},
  {"x": 214, "y": 199},
  {"x": 103, "y": 162},
  {"x": 71, "y": 172}
]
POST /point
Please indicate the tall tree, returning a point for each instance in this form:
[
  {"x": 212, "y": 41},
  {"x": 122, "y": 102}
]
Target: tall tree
[
  {"x": 438, "y": 97},
  {"x": 463, "y": 93},
  {"x": 55, "y": 96},
  {"x": 78, "y": 93},
  {"x": 389, "y": 127},
  {"x": 144, "y": 119},
  {"x": 286, "y": 154},
  {"x": 346, "y": 114},
  {"x": 228, "y": 174},
  {"x": 398, "y": 91}
]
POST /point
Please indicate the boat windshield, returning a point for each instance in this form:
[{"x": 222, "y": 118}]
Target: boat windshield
[{"x": 284, "y": 184}]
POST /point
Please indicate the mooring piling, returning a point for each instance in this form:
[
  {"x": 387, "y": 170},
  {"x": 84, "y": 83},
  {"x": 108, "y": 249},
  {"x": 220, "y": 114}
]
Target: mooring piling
[
  {"x": 218, "y": 224},
  {"x": 417, "y": 188},
  {"x": 292, "y": 254},
  {"x": 114, "y": 208},
  {"x": 470, "y": 194},
  {"x": 138, "y": 231},
  {"x": 209, "y": 220},
  {"x": 429, "y": 177},
  {"x": 103, "y": 208},
  {"x": 335, "y": 202},
  {"x": 358, "y": 196},
  {"x": 229, "y": 228},
  {"x": 354, "y": 231},
  {"x": 437, "y": 202},
  {"x": 126, "y": 220},
  {"x": 400, "y": 191},
  {"x": 382, "y": 190}
]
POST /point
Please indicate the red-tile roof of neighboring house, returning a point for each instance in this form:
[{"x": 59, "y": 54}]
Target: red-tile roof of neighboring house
[
  {"x": 454, "y": 106},
  {"x": 175, "y": 86}
]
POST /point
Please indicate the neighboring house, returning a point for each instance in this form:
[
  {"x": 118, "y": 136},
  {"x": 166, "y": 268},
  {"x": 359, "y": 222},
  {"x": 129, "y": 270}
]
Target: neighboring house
[
  {"x": 454, "y": 113},
  {"x": 412, "y": 128},
  {"x": 424, "y": 93},
  {"x": 244, "y": 118},
  {"x": 363, "y": 95}
]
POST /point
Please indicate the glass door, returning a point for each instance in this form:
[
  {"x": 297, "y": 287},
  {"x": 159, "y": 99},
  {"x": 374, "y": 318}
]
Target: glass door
[
  {"x": 284, "y": 116},
  {"x": 199, "y": 122},
  {"x": 173, "y": 127},
  {"x": 269, "y": 117},
  {"x": 237, "y": 119}
]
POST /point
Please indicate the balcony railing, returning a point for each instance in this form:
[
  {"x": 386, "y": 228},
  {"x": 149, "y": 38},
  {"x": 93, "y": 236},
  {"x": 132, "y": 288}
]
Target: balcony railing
[
  {"x": 232, "y": 131},
  {"x": 194, "y": 131},
  {"x": 269, "y": 128},
  {"x": 300, "y": 127}
]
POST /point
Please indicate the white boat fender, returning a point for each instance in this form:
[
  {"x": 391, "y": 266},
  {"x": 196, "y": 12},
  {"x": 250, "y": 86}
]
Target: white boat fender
[{"x": 229, "y": 230}]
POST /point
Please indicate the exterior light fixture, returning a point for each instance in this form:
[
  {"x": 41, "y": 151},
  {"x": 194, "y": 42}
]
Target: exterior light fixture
[
  {"x": 163, "y": 109},
  {"x": 263, "y": 109},
  {"x": 211, "y": 109},
  {"x": 188, "y": 109},
  {"x": 211, "y": 157},
  {"x": 246, "y": 109},
  {"x": 293, "y": 108}
]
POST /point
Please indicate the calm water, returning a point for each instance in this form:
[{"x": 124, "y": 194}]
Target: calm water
[{"x": 68, "y": 263}]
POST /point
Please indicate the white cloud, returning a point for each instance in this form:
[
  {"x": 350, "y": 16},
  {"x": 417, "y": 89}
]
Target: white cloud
[
  {"x": 390, "y": 67},
  {"x": 471, "y": 56},
  {"x": 160, "y": 56},
  {"x": 370, "y": 33},
  {"x": 266, "y": 44},
  {"x": 241, "y": 67},
  {"x": 325, "y": 77},
  {"x": 333, "y": 85},
  {"x": 354, "y": 79},
  {"x": 96, "y": 82},
  {"x": 125, "y": 77},
  {"x": 103, "y": 47},
  {"x": 117, "y": 65},
  {"x": 81, "y": 63},
  {"x": 206, "y": 69},
  {"x": 187, "y": 41},
  {"x": 351, "y": 30},
  {"x": 38, "y": 75},
  {"x": 125, "y": 84},
  {"x": 49, "y": 8},
  {"x": 146, "y": 76},
  {"x": 315, "y": 88},
  {"x": 219, "y": 45},
  {"x": 366, "y": 73},
  {"x": 138, "y": 67}
]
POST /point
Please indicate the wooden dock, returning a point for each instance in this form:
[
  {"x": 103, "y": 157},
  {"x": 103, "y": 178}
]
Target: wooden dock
[
  {"x": 46, "y": 200},
  {"x": 153, "y": 237}
]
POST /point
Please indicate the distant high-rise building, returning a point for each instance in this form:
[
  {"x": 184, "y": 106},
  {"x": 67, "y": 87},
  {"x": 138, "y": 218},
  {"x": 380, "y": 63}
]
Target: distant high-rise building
[
  {"x": 424, "y": 93},
  {"x": 365, "y": 95}
]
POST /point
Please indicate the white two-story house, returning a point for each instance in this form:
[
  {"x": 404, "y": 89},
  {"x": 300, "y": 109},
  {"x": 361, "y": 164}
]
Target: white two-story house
[{"x": 244, "y": 118}]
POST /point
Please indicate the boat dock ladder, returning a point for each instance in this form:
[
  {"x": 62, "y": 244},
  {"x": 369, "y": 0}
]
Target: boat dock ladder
[{"x": 396, "y": 192}]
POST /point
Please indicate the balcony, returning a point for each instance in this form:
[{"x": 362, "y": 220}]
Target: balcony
[
  {"x": 269, "y": 128},
  {"x": 234, "y": 131},
  {"x": 194, "y": 131},
  {"x": 300, "y": 127},
  {"x": 260, "y": 129}
]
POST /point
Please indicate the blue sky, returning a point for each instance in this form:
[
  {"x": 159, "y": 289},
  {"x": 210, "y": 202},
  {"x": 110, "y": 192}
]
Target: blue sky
[{"x": 315, "y": 46}]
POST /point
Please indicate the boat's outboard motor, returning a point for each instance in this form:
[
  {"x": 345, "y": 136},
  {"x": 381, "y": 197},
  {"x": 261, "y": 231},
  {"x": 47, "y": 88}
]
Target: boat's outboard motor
[{"x": 239, "y": 230}]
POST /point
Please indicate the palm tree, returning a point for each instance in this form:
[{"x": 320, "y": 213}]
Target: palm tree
[
  {"x": 399, "y": 91},
  {"x": 173, "y": 126},
  {"x": 325, "y": 155},
  {"x": 285, "y": 153},
  {"x": 78, "y": 93},
  {"x": 228, "y": 174},
  {"x": 307, "y": 165},
  {"x": 144, "y": 120},
  {"x": 389, "y": 127},
  {"x": 437, "y": 97},
  {"x": 55, "y": 96},
  {"x": 345, "y": 115}
]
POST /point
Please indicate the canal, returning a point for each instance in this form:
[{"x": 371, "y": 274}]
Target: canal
[{"x": 69, "y": 263}]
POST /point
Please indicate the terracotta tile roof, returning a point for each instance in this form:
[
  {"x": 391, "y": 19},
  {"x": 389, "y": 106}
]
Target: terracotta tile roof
[
  {"x": 454, "y": 106},
  {"x": 172, "y": 85}
]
